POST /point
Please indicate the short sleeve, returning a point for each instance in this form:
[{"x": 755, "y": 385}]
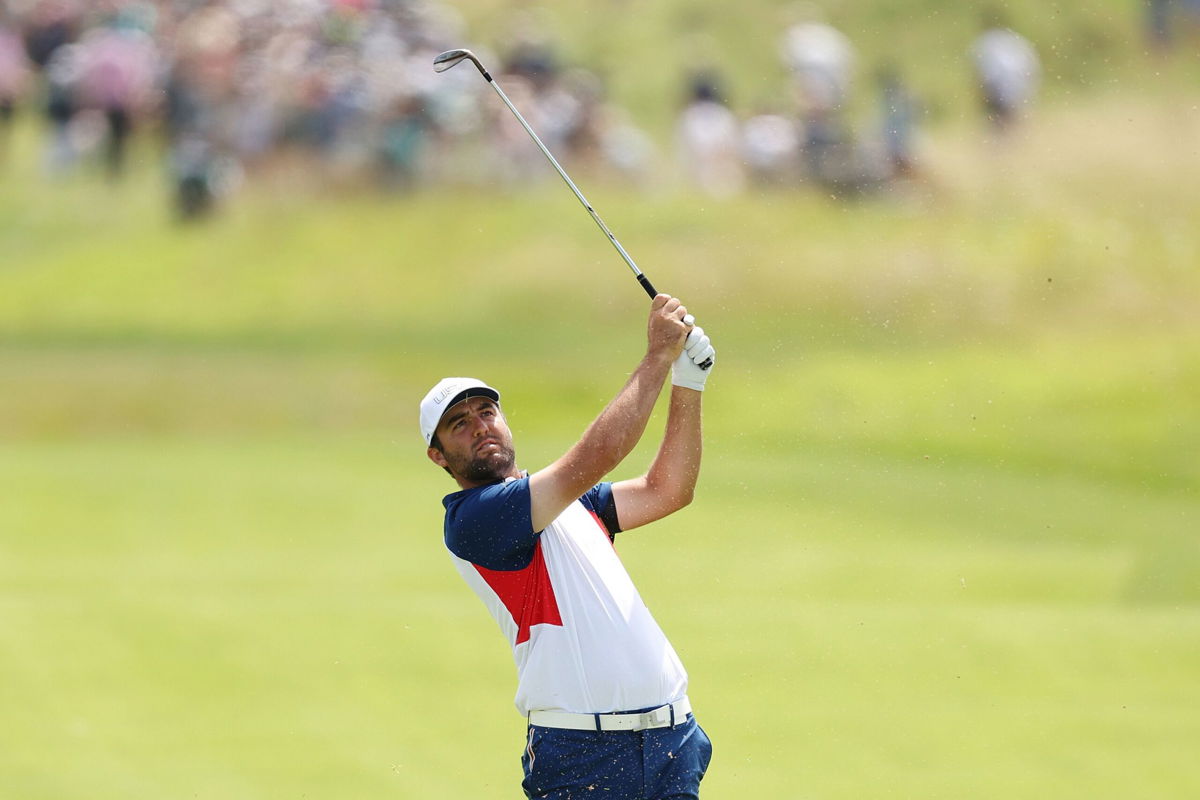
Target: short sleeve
[
  {"x": 599, "y": 500},
  {"x": 492, "y": 526}
]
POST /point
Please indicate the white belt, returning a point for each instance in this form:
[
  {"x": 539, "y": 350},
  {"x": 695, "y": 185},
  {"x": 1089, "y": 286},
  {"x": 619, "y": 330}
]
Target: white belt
[{"x": 666, "y": 716}]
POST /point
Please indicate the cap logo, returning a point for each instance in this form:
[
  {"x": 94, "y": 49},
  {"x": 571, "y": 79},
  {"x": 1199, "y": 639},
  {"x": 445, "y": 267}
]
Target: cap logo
[{"x": 444, "y": 394}]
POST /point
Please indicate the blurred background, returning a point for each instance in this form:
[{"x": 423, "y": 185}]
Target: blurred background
[{"x": 947, "y": 539}]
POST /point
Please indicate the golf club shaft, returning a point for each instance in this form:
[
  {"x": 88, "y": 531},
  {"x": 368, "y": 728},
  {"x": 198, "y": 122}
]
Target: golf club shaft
[
  {"x": 642, "y": 279},
  {"x": 447, "y": 60}
]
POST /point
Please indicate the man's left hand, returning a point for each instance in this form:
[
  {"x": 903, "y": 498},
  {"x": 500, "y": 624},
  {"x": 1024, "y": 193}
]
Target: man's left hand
[{"x": 686, "y": 370}]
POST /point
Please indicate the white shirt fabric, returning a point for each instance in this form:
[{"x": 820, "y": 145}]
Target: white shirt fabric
[{"x": 582, "y": 638}]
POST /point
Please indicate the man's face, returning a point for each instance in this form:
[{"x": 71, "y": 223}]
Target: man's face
[{"x": 476, "y": 444}]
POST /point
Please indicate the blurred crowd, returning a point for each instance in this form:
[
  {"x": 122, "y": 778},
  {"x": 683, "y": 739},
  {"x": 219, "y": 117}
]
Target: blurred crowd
[
  {"x": 814, "y": 139},
  {"x": 345, "y": 88}
]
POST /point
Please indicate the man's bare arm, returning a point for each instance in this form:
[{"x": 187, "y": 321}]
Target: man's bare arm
[
  {"x": 670, "y": 482},
  {"x": 617, "y": 430}
]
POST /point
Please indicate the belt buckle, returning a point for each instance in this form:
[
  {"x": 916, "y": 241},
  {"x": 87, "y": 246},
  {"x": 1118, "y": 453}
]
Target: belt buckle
[{"x": 659, "y": 717}]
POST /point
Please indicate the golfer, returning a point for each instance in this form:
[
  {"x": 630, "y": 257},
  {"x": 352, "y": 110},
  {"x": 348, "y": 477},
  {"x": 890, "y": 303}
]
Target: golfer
[{"x": 602, "y": 688}]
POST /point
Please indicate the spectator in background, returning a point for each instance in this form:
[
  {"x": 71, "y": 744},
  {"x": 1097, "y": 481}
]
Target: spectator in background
[
  {"x": 1007, "y": 71},
  {"x": 200, "y": 88},
  {"x": 50, "y": 29},
  {"x": 532, "y": 57},
  {"x": 585, "y": 128},
  {"x": 898, "y": 110},
  {"x": 405, "y": 135},
  {"x": 515, "y": 159},
  {"x": 530, "y": 73},
  {"x": 190, "y": 145},
  {"x": 61, "y": 105},
  {"x": 771, "y": 148},
  {"x": 14, "y": 75},
  {"x": 117, "y": 70},
  {"x": 708, "y": 137},
  {"x": 821, "y": 60},
  {"x": 627, "y": 148},
  {"x": 50, "y": 25}
]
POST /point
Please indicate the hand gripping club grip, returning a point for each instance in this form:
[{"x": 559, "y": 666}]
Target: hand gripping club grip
[{"x": 650, "y": 290}]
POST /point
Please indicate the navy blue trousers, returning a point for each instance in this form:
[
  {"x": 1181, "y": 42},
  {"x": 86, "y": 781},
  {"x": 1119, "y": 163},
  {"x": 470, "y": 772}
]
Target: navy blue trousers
[{"x": 654, "y": 764}]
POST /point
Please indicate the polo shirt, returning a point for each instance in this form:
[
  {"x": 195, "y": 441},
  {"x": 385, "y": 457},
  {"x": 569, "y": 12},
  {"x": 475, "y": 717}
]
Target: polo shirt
[{"x": 581, "y": 637}]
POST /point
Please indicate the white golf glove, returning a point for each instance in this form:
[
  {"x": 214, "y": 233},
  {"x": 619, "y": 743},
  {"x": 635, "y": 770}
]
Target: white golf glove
[{"x": 686, "y": 370}]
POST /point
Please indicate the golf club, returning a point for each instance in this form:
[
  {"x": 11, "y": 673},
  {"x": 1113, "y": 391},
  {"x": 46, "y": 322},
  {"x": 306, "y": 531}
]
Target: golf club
[{"x": 451, "y": 58}]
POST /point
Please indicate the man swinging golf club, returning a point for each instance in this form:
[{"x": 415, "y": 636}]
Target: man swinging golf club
[{"x": 602, "y": 688}]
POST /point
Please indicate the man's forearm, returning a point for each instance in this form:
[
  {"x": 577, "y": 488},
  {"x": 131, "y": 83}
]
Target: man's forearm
[
  {"x": 610, "y": 437},
  {"x": 616, "y": 431},
  {"x": 619, "y": 427},
  {"x": 676, "y": 467},
  {"x": 670, "y": 482}
]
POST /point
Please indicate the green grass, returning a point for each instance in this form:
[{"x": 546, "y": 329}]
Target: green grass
[
  {"x": 945, "y": 541},
  {"x": 250, "y": 615}
]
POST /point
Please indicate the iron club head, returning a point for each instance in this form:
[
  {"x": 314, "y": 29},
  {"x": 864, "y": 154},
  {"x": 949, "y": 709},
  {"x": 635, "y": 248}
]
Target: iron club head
[{"x": 450, "y": 58}]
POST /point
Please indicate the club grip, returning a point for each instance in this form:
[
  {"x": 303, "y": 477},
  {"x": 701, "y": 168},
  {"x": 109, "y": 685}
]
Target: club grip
[{"x": 649, "y": 287}]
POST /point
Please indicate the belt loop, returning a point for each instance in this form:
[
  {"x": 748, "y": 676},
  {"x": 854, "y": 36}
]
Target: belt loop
[
  {"x": 672, "y": 707},
  {"x": 597, "y": 718}
]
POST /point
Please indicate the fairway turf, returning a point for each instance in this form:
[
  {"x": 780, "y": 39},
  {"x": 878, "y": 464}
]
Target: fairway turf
[
  {"x": 251, "y": 615},
  {"x": 944, "y": 543}
]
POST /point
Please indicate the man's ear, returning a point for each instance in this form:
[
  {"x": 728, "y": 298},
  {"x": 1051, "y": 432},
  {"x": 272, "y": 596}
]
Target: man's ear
[{"x": 436, "y": 457}]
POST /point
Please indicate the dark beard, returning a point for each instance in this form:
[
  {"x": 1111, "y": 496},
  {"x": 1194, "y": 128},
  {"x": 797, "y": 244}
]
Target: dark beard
[{"x": 487, "y": 468}]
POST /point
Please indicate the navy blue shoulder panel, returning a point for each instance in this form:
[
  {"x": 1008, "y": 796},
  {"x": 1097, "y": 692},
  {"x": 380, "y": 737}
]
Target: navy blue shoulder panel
[{"x": 491, "y": 526}]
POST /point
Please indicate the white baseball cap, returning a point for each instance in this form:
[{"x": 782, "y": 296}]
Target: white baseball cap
[{"x": 446, "y": 393}]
